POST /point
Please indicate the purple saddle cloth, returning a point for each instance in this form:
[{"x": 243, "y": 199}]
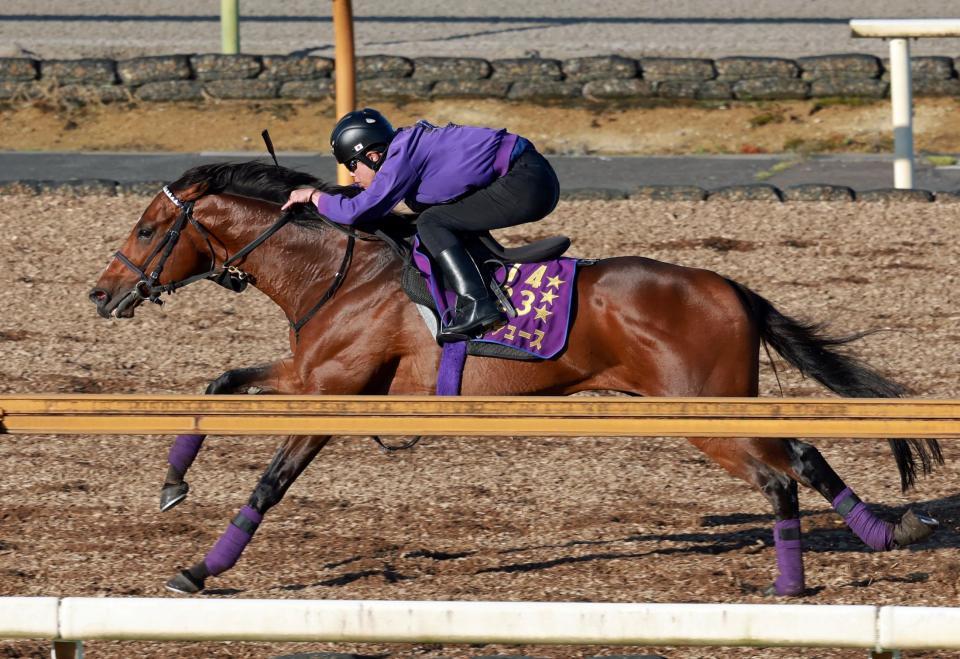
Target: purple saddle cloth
[{"x": 541, "y": 294}]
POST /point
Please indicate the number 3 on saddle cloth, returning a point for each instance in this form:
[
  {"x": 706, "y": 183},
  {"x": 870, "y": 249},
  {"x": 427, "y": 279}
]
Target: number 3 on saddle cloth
[{"x": 542, "y": 298}]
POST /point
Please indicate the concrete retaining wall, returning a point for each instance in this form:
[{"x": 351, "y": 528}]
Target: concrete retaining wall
[{"x": 597, "y": 78}]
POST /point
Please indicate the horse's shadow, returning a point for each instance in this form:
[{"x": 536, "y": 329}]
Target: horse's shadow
[
  {"x": 815, "y": 538},
  {"x": 715, "y": 541}
]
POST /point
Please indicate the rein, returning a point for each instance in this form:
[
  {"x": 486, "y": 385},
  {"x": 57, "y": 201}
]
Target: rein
[{"x": 227, "y": 275}]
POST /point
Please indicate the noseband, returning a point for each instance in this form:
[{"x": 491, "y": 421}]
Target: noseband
[{"x": 228, "y": 275}]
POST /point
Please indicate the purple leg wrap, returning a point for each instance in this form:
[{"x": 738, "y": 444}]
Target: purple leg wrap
[
  {"x": 876, "y": 533},
  {"x": 183, "y": 451},
  {"x": 234, "y": 540},
  {"x": 786, "y": 537}
]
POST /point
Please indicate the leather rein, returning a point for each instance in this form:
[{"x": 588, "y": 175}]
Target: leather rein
[{"x": 229, "y": 275}]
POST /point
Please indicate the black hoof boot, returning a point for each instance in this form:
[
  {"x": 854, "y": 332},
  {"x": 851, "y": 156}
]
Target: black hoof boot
[
  {"x": 793, "y": 591},
  {"x": 913, "y": 527},
  {"x": 185, "y": 584},
  {"x": 173, "y": 494}
]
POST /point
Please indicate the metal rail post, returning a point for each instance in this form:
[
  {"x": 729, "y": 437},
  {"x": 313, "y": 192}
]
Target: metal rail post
[
  {"x": 902, "y": 101},
  {"x": 346, "y": 87},
  {"x": 899, "y": 31},
  {"x": 230, "y": 27}
]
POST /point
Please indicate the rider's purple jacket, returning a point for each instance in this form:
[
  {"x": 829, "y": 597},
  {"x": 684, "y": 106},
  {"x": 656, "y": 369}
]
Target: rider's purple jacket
[{"x": 426, "y": 165}]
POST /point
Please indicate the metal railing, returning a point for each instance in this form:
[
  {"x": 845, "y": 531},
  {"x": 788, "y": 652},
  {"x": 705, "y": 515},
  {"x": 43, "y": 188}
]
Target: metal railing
[
  {"x": 69, "y": 621},
  {"x": 879, "y": 629},
  {"x": 898, "y": 31}
]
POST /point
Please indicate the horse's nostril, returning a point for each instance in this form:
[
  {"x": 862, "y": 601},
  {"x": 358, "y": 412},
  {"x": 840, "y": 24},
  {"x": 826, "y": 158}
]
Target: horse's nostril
[{"x": 99, "y": 296}]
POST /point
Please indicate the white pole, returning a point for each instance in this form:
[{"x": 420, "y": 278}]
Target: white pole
[{"x": 900, "y": 97}]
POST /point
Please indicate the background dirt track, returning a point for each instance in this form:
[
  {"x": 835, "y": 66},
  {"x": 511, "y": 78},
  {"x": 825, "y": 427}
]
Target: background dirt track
[{"x": 594, "y": 519}]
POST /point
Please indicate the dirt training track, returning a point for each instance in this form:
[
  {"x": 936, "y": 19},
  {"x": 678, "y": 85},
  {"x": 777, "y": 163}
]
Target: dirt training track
[{"x": 596, "y": 519}]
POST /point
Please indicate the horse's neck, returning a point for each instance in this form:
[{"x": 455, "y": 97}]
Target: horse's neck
[{"x": 297, "y": 265}]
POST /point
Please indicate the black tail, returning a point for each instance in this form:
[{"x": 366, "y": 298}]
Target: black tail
[{"x": 814, "y": 353}]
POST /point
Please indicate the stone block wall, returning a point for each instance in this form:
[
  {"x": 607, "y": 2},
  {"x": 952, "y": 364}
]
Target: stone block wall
[
  {"x": 757, "y": 192},
  {"x": 593, "y": 79}
]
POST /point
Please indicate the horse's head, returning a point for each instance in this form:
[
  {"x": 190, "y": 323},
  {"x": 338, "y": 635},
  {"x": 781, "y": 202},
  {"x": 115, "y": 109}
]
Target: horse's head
[
  {"x": 168, "y": 248},
  {"x": 165, "y": 247}
]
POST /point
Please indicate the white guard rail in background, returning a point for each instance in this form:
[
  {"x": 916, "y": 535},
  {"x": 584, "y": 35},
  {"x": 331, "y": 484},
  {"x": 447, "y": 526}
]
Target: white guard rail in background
[
  {"x": 568, "y": 623},
  {"x": 898, "y": 31}
]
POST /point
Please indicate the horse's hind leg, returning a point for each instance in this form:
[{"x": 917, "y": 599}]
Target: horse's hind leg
[
  {"x": 809, "y": 467},
  {"x": 748, "y": 459},
  {"x": 288, "y": 463},
  {"x": 270, "y": 378}
]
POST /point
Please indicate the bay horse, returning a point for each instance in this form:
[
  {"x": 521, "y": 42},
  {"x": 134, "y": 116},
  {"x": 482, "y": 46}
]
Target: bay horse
[{"x": 641, "y": 327}]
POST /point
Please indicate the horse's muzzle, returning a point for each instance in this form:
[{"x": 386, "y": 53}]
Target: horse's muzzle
[{"x": 107, "y": 305}]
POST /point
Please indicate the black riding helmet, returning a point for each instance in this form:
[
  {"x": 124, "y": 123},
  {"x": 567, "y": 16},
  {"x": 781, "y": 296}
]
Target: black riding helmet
[{"x": 359, "y": 132}]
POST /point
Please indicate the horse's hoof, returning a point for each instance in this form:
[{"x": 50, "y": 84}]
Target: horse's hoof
[
  {"x": 185, "y": 584},
  {"x": 791, "y": 591},
  {"x": 171, "y": 495},
  {"x": 913, "y": 527}
]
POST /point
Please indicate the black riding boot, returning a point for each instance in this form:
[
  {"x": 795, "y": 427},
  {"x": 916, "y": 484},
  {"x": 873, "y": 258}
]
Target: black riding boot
[{"x": 476, "y": 309}]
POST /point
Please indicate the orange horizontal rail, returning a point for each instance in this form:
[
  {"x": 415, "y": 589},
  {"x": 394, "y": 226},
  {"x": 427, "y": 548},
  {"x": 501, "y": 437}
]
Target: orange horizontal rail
[{"x": 478, "y": 416}]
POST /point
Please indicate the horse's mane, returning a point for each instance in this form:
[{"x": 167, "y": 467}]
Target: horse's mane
[
  {"x": 256, "y": 179},
  {"x": 260, "y": 180}
]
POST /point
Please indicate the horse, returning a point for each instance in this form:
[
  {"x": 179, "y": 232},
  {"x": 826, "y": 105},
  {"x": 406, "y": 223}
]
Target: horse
[{"x": 640, "y": 327}]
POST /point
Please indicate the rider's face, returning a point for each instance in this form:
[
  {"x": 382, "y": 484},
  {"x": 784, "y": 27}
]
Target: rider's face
[{"x": 363, "y": 175}]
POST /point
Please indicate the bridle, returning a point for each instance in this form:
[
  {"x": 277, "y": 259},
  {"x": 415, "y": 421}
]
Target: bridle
[
  {"x": 148, "y": 287},
  {"x": 232, "y": 277}
]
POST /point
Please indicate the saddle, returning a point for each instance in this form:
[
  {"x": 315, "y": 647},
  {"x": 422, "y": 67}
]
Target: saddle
[
  {"x": 400, "y": 236},
  {"x": 489, "y": 255}
]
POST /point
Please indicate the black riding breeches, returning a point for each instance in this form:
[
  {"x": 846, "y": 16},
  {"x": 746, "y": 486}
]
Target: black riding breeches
[{"x": 527, "y": 192}]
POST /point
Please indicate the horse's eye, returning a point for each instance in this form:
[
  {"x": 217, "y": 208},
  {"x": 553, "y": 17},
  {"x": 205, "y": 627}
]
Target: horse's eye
[{"x": 144, "y": 233}]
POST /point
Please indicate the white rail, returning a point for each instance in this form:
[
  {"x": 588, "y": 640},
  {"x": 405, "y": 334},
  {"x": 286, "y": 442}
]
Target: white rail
[
  {"x": 898, "y": 31},
  {"x": 568, "y": 623}
]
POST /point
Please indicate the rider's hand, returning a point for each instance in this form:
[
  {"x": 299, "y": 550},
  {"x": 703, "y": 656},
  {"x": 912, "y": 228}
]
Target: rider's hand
[{"x": 302, "y": 196}]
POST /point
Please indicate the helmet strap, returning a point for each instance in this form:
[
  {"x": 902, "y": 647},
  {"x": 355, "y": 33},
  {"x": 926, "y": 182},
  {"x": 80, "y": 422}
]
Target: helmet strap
[{"x": 375, "y": 166}]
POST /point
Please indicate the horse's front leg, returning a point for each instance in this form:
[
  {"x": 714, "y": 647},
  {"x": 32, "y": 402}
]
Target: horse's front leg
[
  {"x": 267, "y": 379},
  {"x": 346, "y": 374},
  {"x": 288, "y": 463}
]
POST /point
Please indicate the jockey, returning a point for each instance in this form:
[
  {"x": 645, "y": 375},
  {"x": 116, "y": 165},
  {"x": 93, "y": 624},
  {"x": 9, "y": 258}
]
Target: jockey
[{"x": 461, "y": 179}]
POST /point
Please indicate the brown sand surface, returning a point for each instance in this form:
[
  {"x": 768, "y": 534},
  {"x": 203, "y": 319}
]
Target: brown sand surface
[
  {"x": 802, "y": 127},
  {"x": 583, "y": 519}
]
